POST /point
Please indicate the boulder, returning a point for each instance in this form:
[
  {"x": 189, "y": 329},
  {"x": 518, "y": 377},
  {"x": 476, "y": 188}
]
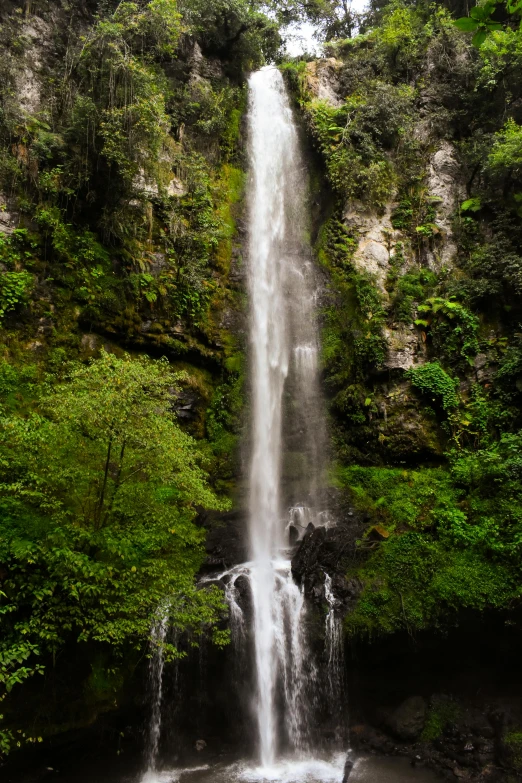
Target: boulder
[{"x": 407, "y": 721}]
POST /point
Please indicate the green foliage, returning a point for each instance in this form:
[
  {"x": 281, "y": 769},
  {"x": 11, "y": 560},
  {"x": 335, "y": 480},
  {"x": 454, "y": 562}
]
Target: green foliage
[
  {"x": 236, "y": 30},
  {"x": 432, "y": 380},
  {"x": 452, "y": 327},
  {"x": 397, "y": 498},
  {"x": 506, "y": 154},
  {"x": 353, "y": 139},
  {"x": 415, "y": 216},
  {"x": 401, "y": 34},
  {"x": 419, "y": 576},
  {"x": 440, "y": 715},
  {"x": 513, "y": 740},
  {"x": 409, "y": 289},
  {"x": 99, "y": 492},
  {"x": 14, "y": 671},
  {"x": 222, "y": 424},
  {"x": 471, "y": 205},
  {"x": 358, "y": 322},
  {"x": 15, "y": 288},
  {"x": 480, "y": 20},
  {"x": 16, "y": 284}
]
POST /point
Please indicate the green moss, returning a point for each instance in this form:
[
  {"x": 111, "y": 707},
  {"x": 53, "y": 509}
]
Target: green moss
[
  {"x": 513, "y": 740},
  {"x": 223, "y": 423},
  {"x": 417, "y": 578},
  {"x": 409, "y": 289},
  {"x": 352, "y": 337},
  {"x": 440, "y": 715}
]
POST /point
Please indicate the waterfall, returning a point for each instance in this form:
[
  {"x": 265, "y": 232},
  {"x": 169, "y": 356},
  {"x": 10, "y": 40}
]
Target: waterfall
[
  {"x": 286, "y": 484},
  {"x": 287, "y": 420},
  {"x": 156, "y": 666},
  {"x": 334, "y": 644}
]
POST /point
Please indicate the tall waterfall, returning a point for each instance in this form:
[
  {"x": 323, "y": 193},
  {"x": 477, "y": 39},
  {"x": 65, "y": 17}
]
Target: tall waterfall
[
  {"x": 287, "y": 422},
  {"x": 286, "y": 470}
]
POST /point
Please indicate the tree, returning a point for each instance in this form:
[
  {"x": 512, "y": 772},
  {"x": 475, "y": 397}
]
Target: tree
[
  {"x": 98, "y": 497},
  {"x": 333, "y": 18},
  {"x": 480, "y": 21}
]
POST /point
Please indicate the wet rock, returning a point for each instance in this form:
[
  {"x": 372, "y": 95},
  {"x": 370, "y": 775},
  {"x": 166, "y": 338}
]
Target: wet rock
[
  {"x": 8, "y": 218},
  {"x": 322, "y": 80},
  {"x": 446, "y": 184},
  {"x": 158, "y": 262},
  {"x": 176, "y": 188},
  {"x": 403, "y": 347},
  {"x": 324, "y": 551},
  {"x": 376, "y": 240},
  {"x": 307, "y": 555},
  {"x": 407, "y": 721},
  {"x": 36, "y": 346},
  {"x": 38, "y": 35},
  {"x": 187, "y": 404},
  {"x": 378, "y": 533},
  {"x": 225, "y": 542}
]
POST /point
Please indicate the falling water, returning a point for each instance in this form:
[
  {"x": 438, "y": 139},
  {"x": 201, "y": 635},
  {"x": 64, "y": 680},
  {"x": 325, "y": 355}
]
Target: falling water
[
  {"x": 286, "y": 410},
  {"x": 287, "y": 458},
  {"x": 156, "y": 666},
  {"x": 334, "y": 653}
]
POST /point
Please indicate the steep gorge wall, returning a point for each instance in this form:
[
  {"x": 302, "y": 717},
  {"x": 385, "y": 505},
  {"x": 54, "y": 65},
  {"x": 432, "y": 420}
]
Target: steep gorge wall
[
  {"x": 121, "y": 177},
  {"x": 420, "y": 240}
]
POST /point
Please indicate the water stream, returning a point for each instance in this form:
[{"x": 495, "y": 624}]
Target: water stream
[
  {"x": 287, "y": 421},
  {"x": 156, "y": 667},
  {"x": 334, "y": 643}
]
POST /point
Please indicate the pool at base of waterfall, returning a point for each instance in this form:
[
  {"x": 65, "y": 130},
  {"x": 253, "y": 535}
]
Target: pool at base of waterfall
[{"x": 370, "y": 769}]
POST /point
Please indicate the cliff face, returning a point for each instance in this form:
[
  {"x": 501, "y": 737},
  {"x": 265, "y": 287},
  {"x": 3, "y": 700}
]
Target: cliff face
[
  {"x": 121, "y": 178},
  {"x": 420, "y": 243}
]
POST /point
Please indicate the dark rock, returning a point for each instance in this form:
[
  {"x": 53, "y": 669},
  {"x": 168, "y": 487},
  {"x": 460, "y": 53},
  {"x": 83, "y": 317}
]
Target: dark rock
[
  {"x": 186, "y": 404},
  {"x": 407, "y": 721},
  {"x": 225, "y": 542},
  {"x": 347, "y": 769},
  {"x": 327, "y": 551},
  {"x": 306, "y": 556},
  {"x": 378, "y": 533}
]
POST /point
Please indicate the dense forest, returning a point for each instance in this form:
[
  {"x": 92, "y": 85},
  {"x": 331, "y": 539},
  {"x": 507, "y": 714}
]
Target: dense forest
[{"x": 124, "y": 393}]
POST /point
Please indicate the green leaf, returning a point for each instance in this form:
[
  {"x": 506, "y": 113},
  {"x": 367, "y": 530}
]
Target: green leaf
[
  {"x": 479, "y": 38},
  {"x": 466, "y": 24},
  {"x": 479, "y": 12},
  {"x": 471, "y": 205}
]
